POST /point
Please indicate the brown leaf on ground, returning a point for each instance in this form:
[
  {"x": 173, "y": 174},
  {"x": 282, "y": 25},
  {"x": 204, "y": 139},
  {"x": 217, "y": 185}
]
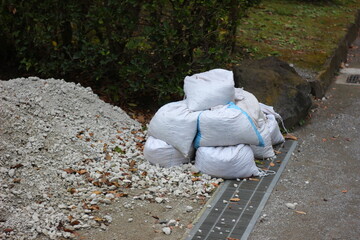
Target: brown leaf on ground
[
  {"x": 230, "y": 238},
  {"x": 7, "y": 230},
  {"x": 132, "y": 163},
  {"x": 108, "y": 157},
  {"x": 72, "y": 190},
  {"x": 324, "y": 139},
  {"x": 140, "y": 138},
  {"x": 81, "y": 171},
  {"x": 195, "y": 179},
  {"x": 234, "y": 199},
  {"x": 98, "y": 219},
  {"x": 17, "y": 180},
  {"x": 76, "y": 222},
  {"x": 277, "y": 152},
  {"x": 69, "y": 170},
  {"x": 272, "y": 164},
  {"x": 94, "y": 207},
  {"x": 291, "y": 137},
  {"x": 254, "y": 179},
  {"x": 96, "y": 192},
  {"x": 19, "y": 165},
  {"x": 141, "y": 118},
  {"x": 300, "y": 212},
  {"x": 121, "y": 195},
  {"x": 344, "y": 191}
]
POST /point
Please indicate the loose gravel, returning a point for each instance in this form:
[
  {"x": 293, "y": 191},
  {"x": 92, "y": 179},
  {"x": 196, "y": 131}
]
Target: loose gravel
[{"x": 64, "y": 153}]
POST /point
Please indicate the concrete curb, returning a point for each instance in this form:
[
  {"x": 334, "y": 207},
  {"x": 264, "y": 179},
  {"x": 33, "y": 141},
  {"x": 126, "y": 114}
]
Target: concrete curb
[{"x": 331, "y": 66}]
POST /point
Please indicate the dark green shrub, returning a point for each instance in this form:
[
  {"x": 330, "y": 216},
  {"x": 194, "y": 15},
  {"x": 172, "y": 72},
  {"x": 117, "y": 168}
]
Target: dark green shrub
[{"x": 142, "y": 48}]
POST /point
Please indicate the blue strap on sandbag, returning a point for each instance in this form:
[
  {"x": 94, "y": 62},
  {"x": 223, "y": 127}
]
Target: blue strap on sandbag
[
  {"x": 233, "y": 106},
  {"x": 260, "y": 138},
  {"x": 198, "y": 134}
]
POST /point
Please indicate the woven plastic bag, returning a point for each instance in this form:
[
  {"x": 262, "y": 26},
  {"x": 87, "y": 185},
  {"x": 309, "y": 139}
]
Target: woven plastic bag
[
  {"x": 249, "y": 103},
  {"x": 276, "y": 136},
  {"x": 226, "y": 126},
  {"x": 209, "y": 89},
  {"x": 267, "y": 151},
  {"x": 160, "y": 153},
  {"x": 175, "y": 124},
  {"x": 227, "y": 162},
  {"x": 273, "y": 117}
]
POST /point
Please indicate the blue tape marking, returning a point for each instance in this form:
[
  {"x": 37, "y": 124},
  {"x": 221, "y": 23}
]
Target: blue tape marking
[
  {"x": 198, "y": 134},
  {"x": 260, "y": 138}
]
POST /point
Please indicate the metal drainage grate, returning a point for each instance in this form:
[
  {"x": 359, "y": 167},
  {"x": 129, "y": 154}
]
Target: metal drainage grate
[
  {"x": 353, "y": 79},
  {"x": 227, "y": 217}
]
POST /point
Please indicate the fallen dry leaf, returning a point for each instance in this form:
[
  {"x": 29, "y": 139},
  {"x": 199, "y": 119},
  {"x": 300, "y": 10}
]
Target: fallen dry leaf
[
  {"x": 108, "y": 157},
  {"x": 94, "y": 207},
  {"x": 344, "y": 191},
  {"x": 76, "y": 222},
  {"x": 7, "y": 230},
  {"x": 72, "y": 190},
  {"x": 254, "y": 179},
  {"x": 82, "y": 171},
  {"x": 69, "y": 170},
  {"x": 324, "y": 139},
  {"x": 97, "y": 192},
  {"x": 234, "y": 199},
  {"x": 272, "y": 164},
  {"x": 132, "y": 163},
  {"x": 189, "y": 226},
  {"x": 98, "y": 219},
  {"x": 289, "y": 136},
  {"x": 230, "y": 238},
  {"x": 300, "y": 212},
  {"x": 215, "y": 184},
  {"x": 121, "y": 195},
  {"x": 195, "y": 179},
  {"x": 278, "y": 161},
  {"x": 19, "y": 165},
  {"x": 17, "y": 180},
  {"x": 140, "y": 138},
  {"x": 277, "y": 152}
]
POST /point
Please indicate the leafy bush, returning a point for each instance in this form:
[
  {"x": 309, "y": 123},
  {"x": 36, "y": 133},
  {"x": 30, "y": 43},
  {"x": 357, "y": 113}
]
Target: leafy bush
[{"x": 137, "y": 47}]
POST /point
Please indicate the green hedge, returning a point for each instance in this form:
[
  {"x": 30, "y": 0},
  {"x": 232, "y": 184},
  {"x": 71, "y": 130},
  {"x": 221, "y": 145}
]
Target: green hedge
[{"x": 137, "y": 47}]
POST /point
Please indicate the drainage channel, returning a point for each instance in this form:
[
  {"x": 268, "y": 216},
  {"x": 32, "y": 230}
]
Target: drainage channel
[{"x": 233, "y": 211}]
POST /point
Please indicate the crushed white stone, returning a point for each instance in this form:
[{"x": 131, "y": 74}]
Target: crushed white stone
[{"x": 64, "y": 152}]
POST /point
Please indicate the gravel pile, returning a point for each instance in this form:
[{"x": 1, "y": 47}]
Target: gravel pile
[{"x": 64, "y": 153}]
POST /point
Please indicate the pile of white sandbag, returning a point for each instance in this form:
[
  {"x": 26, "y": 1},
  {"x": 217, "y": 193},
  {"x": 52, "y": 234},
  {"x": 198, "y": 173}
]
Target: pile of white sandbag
[{"x": 222, "y": 127}]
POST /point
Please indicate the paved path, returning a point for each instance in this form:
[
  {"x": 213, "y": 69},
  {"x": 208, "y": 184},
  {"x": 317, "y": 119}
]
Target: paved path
[{"x": 323, "y": 176}]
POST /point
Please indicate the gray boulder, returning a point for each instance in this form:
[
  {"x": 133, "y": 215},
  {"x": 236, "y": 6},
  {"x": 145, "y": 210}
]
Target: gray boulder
[{"x": 277, "y": 84}]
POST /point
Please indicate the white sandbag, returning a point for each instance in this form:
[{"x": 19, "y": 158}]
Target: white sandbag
[
  {"x": 227, "y": 162},
  {"x": 266, "y": 151},
  {"x": 176, "y": 125},
  {"x": 249, "y": 103},
  {"x": 209, "y": 89},
  {"x": 159, "y": 152},
  {"x": 269, "y": 110},
  {"x": 276, "y": 136},
  {"x": 272, "y": 116},
  {"x": 226, "y": 126}
]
